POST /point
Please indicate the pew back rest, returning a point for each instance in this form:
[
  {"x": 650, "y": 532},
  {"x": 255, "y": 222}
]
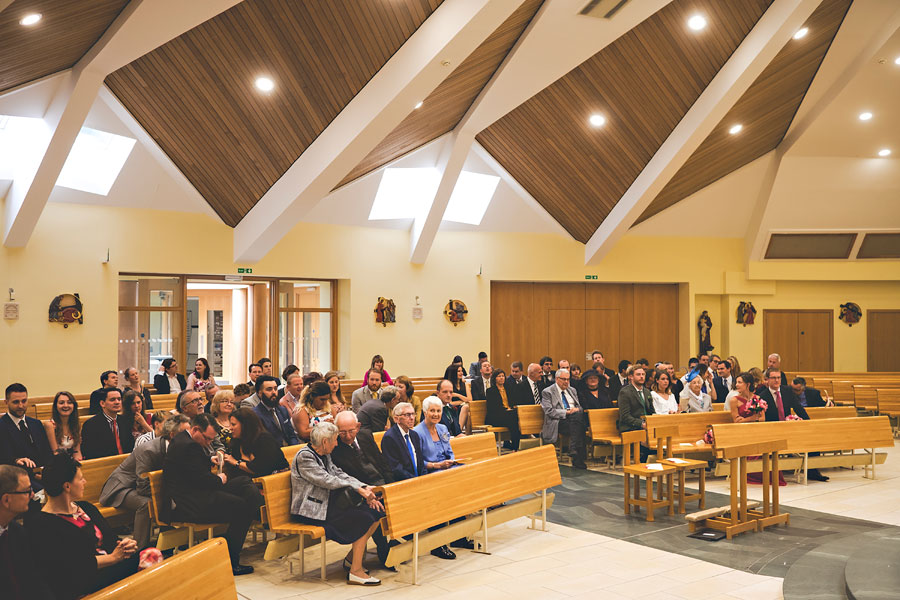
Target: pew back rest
[
  {"x": 477, "y": 412},
  {"x": 474, "y": 447},
  {"x": 378, "y": 435},
  {"x": 691, "y": 426},
  {"x": 864, "y": 397},
  {"x": 416, "y": 504},
  {"x": 96, "y": 471},
  {"x": 830, "y": 412},
  {"x": 277, "y": 491},
  {"x": 888, "y": 401},
  {"x": 531, "y": 418},
  {"x": 291, "y": 451},
  {"x": 843, "y": 391},
  {"x": 810, "y": 436},
  {"x": 199, "y": 573},
  {"x": 602, "y": 422},
  {"x": 156, "y": 483}
]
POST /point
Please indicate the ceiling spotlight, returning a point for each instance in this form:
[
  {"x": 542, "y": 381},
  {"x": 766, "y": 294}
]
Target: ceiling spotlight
[
  {"x": 801, "y": 33},
  {"x": 897, "y": 61},
  {"x": 735, "y": 129},
  {"x": 884, "y": 152},
  {"x": 865, "y": 116},
  {"x": 597, "y": 120},
  {"x": 419, "y": 104},
  {"x": 697, "y": 22},
  {"x": 30, "y": 19},
  {"x": 264, "y": 84}
]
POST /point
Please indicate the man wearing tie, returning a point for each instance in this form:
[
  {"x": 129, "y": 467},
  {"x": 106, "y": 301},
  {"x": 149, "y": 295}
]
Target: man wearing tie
[
  {"x": 401, "y": 445},
  {"x": 530, "y": 393},
  {"x": 482, "y": 382},
  {"x": 563, "y": 415},
  {"x": 108, "y": 433},
  {"x": 23, "y": 440},
  {"x": 723, "y": 381}
]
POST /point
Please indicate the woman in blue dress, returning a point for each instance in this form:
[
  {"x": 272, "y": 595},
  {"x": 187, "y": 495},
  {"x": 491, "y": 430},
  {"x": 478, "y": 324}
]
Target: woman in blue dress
[{"x": 435, "y": 437}]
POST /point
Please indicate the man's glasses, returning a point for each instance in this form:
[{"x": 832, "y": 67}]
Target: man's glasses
[
  {"x": 407, "y": 414},
  {"x": 29, "y": 492}
]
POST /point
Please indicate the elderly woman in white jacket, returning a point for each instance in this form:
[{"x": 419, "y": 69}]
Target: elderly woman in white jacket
[{"x": 323, "y": 495}]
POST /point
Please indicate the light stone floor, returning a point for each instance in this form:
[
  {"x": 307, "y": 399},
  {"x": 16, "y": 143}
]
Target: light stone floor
[{"x": 569, "y": 563}]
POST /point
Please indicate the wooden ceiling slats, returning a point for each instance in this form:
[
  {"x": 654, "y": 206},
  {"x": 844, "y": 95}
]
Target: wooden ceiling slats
[
  {"x": 196, "y": 97},
  {"x": 447, "y": 104},
  {"x": 765, "y": 110},
  {"x": 644, "y": 83}
]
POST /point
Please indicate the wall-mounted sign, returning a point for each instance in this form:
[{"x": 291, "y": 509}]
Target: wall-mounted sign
[
  {"x": 246, "y": 270},
  {"x": 11, "y": 311}
]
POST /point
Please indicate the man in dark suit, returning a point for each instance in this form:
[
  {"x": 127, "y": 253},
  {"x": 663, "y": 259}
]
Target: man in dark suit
[
  {"x": 108, "y": 433},
  {"x": 635, "y": 403},
  {"x": 482, "y": 381},
  {"x": 108, "y": 379},
  {"x": 516, "y": 381},
  {"x": 401, "y": 446},
  {"x": 547, "y": 373},
  {"x": 170, "y": 379},
  {"x": 475, "y": 367},
  {"x": 201, "y": 497},
  {"x": 677, "y": 384},
  {"x": 806, "y": 395},
  {"x": 723, "y": 381},
  {"x": 18, "y": 571},
  {"x": 773, "y": 361},
  {"x": 23, "y": 440},
  {"x": 530, "y": 392},
  {"x": 275, "y": 418},
  {"x": 373, "y": 415},
  {"x": 599, "y": 364},
  {"x": 126, "y": 489},
  {"x": 619, "y": 380}
]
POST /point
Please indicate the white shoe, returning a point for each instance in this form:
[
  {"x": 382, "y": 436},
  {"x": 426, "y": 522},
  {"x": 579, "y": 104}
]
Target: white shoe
[{"x": 354, "y": 580}]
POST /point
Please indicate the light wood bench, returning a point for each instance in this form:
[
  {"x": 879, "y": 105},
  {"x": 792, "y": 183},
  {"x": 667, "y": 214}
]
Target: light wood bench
[
  {"x": 691, "y": 428},
  {"x": 462, "y": 492},
  {"x": 471, "y": 448},
  {"x": 831, "y": 412},
  {"x": 201, "y": 573},
  {"x": 889, "y": 404},
  {"x": 603, "y": 429},
  {"x": 531, "y": 419},
  {"x": 96, "y": 471},
  {"x": 803, "y": 437},
  {"x": 477, "y": 415},
  {"x": 174, "y": 538}
]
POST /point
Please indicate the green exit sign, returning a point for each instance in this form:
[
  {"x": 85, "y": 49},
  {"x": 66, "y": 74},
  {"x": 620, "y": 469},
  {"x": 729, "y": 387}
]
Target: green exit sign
[
  {"x": 590, "y": 277},
  {"x": 243, "y": 270}
]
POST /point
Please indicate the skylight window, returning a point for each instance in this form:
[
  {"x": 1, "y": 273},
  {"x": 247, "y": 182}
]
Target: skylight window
[
  {"x": 95, "y": 161},
  {"x": 23, "y": 141},
  {"x": 406, "y": 194}
]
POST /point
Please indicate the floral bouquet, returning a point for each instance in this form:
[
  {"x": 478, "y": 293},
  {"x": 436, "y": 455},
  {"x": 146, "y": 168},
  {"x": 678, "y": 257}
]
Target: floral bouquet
[
  {"x": 757, "y": 405},
  {"x": 792, "y": 417},
  {"x": 709, "y": 437}
]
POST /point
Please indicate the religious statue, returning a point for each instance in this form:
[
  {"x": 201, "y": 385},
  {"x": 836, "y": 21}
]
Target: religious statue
[
  {"x": 850, "y": 313},
  {"x": 385, "y": 311},
  {"x": 746, "y": 313},
  {"x": 704, "y": 324}
]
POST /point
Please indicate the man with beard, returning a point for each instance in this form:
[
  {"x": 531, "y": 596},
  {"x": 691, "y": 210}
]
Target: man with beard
[{"x": 274, "y": 417}]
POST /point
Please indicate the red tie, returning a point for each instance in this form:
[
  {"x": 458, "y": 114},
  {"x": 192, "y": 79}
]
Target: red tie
[
  {"x": 115, "y": 427},
  {"x": 779, "y": 405}
]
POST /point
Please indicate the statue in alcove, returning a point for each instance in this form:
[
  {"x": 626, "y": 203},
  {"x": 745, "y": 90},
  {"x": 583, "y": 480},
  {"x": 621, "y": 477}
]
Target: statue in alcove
[{"x": 704, "y": 324}]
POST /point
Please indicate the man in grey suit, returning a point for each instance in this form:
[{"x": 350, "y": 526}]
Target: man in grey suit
[
  {"x": 373, "y": 415},
  {"x": 563, "y": 415},
  {"x": 126, "y": 489}
]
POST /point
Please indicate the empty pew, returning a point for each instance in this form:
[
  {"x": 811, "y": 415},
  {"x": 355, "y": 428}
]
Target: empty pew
[
  {"x": 477, "y": 414},
  {"x": 461, "y": 492},
  {"x": 803, "y": 437},
  {"x": 691, "y": 428},
  {"x": 831, "y": 412},
  {"x": 602, "y": 429},
  {"x": 889, "y": 404},
  {"x": 201, "y": 573}
]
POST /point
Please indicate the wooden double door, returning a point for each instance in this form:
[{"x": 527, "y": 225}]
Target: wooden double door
[
  {"x": 568, "y": 320},
  {"x": 803, "y": 338}
]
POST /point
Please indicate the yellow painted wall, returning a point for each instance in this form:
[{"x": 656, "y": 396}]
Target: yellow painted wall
[{"x": 69, "y": 245}]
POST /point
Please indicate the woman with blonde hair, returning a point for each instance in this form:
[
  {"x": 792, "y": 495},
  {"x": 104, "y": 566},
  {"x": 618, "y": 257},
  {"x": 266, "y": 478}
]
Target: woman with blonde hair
[{"x": 221, "y": 409}]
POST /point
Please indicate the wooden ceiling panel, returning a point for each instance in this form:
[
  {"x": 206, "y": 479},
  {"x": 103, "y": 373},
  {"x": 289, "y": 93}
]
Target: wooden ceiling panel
[
  {"x": 442, "y": 110},
  {"x": 66, "y": 31},
  {"x": 643, "y": 83},
  {"x": 765, "y": 111},
  {"x": 195, "y": 95}
]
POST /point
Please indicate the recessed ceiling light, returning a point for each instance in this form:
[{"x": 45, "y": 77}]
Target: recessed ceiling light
[
  {"x": 801, "y": 33},
  {"x": 597, "y": 120},
  {"x": 884, "y": 152},
  {"x": 419, "y": 104},
  {"x": 697, "y": 22},
  {"x": 897, "y": 61},
  {"x": 735, "y": 129},
  {"x": 264, "y": 84},
  {"x": 865, "y": 116},
  {"x": 30, "y": 19}
]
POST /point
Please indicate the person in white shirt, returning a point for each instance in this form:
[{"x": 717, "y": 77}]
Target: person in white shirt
[{"x": 664, "y": 401}]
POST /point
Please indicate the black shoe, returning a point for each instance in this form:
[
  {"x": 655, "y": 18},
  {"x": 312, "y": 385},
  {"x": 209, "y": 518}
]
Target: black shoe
[
  {"x": 241, "y": 570},
  {"x": 463, "y": 543},
  {"x": 578, "y": 463},
  {"x": 816, "y": 476},
  {"x": 443, "y": 552}
]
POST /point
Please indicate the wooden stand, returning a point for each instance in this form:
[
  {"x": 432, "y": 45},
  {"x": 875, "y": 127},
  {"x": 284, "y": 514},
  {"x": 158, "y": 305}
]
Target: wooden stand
[
  {"x": 664, "y": 448},
  {"x": 741, "y": 517},
  {"x": 632, "y": 467}
]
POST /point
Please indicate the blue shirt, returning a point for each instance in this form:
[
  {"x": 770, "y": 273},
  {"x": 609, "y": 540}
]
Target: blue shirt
[{"x": 434, "y": 451}]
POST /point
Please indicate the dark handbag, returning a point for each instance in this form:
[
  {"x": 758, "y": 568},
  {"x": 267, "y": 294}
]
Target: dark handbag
[{"x": 344, "y": 498}]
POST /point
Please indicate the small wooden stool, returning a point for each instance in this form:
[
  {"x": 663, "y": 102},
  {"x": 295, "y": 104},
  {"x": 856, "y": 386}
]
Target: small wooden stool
[
  {"x": 664, "y": 448},
  {"x": 631, "y": 447}
]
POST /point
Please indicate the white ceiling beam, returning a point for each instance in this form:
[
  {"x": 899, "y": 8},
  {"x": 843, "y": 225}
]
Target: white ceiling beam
[
  {"x": 756, "y": 51},
  {"x": 874, "y": 22},
  {"x": 142, "y": 26},
  {"x": 450, "y": 164},
  {"x": 449, "y": 35},
  {"x": 4, "y": 4}
]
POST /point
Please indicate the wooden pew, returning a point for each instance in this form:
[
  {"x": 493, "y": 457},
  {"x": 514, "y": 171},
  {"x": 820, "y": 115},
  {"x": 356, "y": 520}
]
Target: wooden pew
[
  {"x": 171, "y": 539},
  {"x": 603, "y": 430},
  {"x": 291, "y": 451},
  {"x": 96, "y": 471},
  {"x": 461, "y": 492},
  {"x": 477, "y": 414},
  {"x": 831, "y": 412},
  {"x": 471, "y": 448},
  {"x": 889, "y": 404},
  {"x": 691, "y": 428},
  {"x": 531, "y": 420},
  {"x": 201, "y": 573},
  {"x": 803, "y": 437}
]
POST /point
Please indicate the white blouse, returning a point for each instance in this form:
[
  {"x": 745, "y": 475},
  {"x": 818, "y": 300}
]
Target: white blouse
[{"x": 663, "y": 405}]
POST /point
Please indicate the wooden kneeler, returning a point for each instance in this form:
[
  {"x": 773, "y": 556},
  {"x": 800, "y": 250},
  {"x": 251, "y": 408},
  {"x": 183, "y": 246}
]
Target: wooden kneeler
[
  {"x": 664, "y": 448},
  {"x": 742, "y": 517},
  {"x": 631, "y": 466}
]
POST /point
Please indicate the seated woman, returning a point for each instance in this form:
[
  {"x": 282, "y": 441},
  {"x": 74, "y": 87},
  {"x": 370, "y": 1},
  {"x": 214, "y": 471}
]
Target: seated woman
[
  {"x": 576, "y": 375},
  {"x": 501, "y": 412},
  {"x": 156, "y": 422},
  {"x": 740, "y": 403},
  {"x": 221, "y": 407},
  {"x": 591, "y": 394},
  {"x": 462, "y": 394},
  {"x": 435, "y": 437},
  {"x": 693, "y": 398},
  {"x": 253, "y": 450},
  {"x": 378, "y": 365},
  {"x": 338, "y": 404},
  {"x": 64, "y": 427},
  {"x": 323, "y": 495},
  {"x": 405, "y": 390},
  {"x": 664, "y": 401},
  {"x": 133, "y": 405},
  {"x": 80, "y": 552},
  {"x": 202, "y": 380},
  {"x": 315, "y": 409}
]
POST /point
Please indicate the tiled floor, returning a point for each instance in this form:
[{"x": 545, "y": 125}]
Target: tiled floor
[{"x": 566, "y": 562}]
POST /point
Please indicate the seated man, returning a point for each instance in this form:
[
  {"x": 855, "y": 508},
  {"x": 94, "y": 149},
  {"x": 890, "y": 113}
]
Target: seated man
[
  {"x": 18, "y": 572},
  {"x": 371, "y": 391},
  {"x": 808, "y": 396},
  {"x": 126, "y": 489},
  {"x": 401, "y": 445},
  {"x": 482, "y": 381},
  {"x": 563, "y": 415},
  {"x": 635, "y": 403},
  {"x": 475, "y": 367},
  {"x": 449, "y": 417},
  {"x": 620, "y": 380},
  {"x": 108, "y": 433},
  {"x": 23, "y": 440},
  {"x": 108, "y": 379},
  {"x": 252, "y": 399},
  {"x": 201, "y": 497},
  {"x": 373, "y": 415},
  {"x": 170, "y": 381},
  {"x": 275, "y": 418}
]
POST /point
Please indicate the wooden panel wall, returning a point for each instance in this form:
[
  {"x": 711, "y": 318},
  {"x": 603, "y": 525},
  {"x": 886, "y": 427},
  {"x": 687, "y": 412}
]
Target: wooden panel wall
[
  {"x": 883, "y": 331},
  {"x": 803, "y": 338},
  {"x": 568, "y": 320}
]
